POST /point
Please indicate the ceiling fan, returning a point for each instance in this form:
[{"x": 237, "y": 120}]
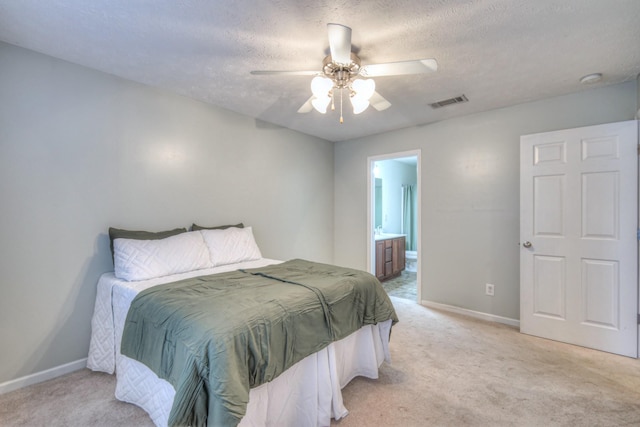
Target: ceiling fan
[{"x": 342, "y": 71}]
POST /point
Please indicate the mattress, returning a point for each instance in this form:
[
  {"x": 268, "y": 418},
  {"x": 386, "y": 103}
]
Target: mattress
[{"x": 307, "y": 394}]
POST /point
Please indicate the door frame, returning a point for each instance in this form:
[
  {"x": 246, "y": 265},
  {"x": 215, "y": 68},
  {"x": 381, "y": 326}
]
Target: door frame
[{"x": 371, "y": 247}]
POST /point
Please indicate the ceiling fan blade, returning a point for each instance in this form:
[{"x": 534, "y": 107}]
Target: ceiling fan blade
[
  {"x": 306, "y": 107},
  {"x": 419, "y": 66},
  {"x": 284, "y": 73},
  {"x": 340, "y": 43},
  {"x": 378, "y": 102}
]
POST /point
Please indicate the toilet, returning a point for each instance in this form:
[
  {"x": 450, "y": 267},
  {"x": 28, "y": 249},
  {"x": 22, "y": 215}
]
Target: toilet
[{"x": 411, "y": 258}]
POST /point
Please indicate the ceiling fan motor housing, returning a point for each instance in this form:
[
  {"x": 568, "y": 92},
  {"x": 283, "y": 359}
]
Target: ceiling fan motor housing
[{"x": 341, "y": 74}]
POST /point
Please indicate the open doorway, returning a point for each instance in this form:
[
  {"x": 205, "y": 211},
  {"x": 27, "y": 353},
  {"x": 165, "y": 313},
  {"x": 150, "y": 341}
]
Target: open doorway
[{"x": 394, "y": 223}]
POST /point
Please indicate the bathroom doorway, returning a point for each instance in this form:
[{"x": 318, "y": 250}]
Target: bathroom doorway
[{"x": 393, "y": 218}]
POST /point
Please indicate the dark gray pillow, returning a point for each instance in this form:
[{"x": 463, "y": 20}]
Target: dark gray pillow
[
  {"x": 117, "y": 233},
  {"x": 196, "y": 227}
]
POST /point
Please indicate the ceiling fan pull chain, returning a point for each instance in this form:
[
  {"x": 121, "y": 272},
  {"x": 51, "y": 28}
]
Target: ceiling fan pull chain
[{"x": 341, "y": 119}]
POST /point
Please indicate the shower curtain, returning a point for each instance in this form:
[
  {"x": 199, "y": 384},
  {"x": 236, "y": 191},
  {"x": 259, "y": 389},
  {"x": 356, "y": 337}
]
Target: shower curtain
[{"x": 409, "y": 213}]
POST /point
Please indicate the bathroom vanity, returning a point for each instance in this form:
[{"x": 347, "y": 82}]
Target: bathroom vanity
[{"x": 390, "y": 259}]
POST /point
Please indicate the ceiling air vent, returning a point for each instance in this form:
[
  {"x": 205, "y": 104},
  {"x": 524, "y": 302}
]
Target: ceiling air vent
[{"x": 450, "y": 101}]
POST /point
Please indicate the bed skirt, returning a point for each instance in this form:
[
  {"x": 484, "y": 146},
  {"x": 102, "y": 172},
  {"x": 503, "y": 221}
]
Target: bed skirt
[{"x": 307, "y": 394}]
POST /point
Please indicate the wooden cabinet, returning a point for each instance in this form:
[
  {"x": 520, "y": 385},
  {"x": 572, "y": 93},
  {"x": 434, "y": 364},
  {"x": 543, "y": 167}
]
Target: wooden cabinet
[
  {"x": 397, "y": 258},
  {"x": 379, "y": 259},
  {"x": 390, "y": 259}
]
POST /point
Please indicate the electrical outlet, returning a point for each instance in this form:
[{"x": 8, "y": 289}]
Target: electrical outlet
[{"x": 489, "y": 289}]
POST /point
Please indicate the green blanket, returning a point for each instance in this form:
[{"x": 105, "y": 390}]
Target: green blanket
[{"x": 214, "y": 337}]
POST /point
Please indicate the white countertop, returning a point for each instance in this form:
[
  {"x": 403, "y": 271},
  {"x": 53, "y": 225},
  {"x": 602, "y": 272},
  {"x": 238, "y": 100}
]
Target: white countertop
[{"x": 385, "y": 236}]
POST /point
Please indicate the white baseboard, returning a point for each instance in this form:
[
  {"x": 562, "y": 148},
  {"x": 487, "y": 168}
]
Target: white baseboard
[
  {"x": 476, "y": 314},
  {"x": 39, "y": 377}
]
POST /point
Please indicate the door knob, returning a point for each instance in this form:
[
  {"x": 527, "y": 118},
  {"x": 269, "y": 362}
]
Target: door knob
[{"x": 527, "y": 244}]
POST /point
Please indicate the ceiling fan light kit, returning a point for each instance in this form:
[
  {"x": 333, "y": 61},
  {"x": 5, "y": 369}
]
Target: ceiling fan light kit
[
  {"x": 342, "y": 71},
  {"x": 341, "y": 76},
  {"x": 324, "y": 89}
]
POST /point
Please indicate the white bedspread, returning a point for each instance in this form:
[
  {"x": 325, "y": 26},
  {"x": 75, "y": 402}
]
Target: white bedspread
[{"x": 307, "y": 394}]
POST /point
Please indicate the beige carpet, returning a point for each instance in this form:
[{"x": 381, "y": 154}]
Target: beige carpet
[
  {"x": 451, "y": 370},
  {"x": 447, "y": 370}
]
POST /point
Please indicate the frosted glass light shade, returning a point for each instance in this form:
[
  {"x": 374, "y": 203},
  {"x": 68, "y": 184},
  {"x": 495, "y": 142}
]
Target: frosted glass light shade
[
  {"x": 363, "y": 88},
  {"x": 321, "y": 103},
  {"x": 359, "y": 104},
  {"x": 320, "y": 86}
]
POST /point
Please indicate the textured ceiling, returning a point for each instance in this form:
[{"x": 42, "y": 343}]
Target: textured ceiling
[{"x": 496, "y": 52}]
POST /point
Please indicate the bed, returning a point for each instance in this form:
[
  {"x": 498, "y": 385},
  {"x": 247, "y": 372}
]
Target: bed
[{"x": 307, "y": 393}]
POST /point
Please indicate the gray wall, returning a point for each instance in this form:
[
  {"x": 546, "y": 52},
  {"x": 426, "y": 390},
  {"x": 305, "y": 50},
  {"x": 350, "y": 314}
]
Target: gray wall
[
  {"x": 638, "y": 88},
  {"x": 470, "y": 193},
  {"x": 81, "y": 151}
]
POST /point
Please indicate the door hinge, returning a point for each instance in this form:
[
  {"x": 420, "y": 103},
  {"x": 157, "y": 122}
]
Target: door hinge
[
  {"x": 638, "y": 234},
  {"x": 638, "y": 319}
]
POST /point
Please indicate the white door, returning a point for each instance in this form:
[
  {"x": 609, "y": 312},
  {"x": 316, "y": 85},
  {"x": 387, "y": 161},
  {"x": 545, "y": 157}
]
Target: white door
[{"x": 579, "y": 247}]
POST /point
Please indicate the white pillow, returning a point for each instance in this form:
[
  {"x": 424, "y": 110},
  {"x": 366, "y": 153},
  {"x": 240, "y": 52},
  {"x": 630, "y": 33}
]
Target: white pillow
[
  {"x": 231, "y": 245},
  {"x": 147, "y": 259}
]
